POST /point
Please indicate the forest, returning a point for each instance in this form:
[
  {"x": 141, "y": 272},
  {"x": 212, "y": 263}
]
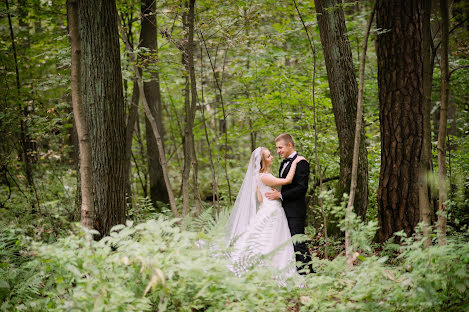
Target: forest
[{"x": 127, "y": 127}]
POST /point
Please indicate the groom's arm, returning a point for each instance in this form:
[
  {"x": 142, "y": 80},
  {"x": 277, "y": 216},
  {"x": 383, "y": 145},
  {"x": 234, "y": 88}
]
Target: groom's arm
[{"x": 301, "y": 187}]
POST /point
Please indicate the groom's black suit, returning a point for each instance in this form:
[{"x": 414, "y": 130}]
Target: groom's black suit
[{"x": 293, "y": 202}]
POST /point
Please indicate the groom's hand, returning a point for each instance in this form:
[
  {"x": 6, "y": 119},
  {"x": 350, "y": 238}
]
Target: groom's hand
[{"x": 275, "y": 194}]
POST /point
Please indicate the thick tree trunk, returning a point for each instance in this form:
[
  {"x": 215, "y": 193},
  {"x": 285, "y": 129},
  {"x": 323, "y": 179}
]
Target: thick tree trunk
[
  {"x": 86, "y": 175},
  {"x": 148, "y": 39},
  {"x": 101, "y": 82},
  {"x": 442, "y": 187},
  {"x": 401, "y": 100},
  {"x": 343, "y": 86}
]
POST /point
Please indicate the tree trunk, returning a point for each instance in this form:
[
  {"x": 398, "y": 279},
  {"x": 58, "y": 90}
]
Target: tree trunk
[
  {"x": 187, "y": 118},
  {"x": 401, "y": 102},
  {"x": 129, "y": 130},
  {"x": 442, "y": 188},
  {"x": 148, "y": 39},
  {"x": 86, "y": 175},
  {"x": 190, "y": 106},
  {"x": 426, "y": 152},
  {"x": 356, "y": 146},
  {"x": 343, "y": 86},
  {"x": 154, "y": 127},
  {"x": 101, "y": 82}
]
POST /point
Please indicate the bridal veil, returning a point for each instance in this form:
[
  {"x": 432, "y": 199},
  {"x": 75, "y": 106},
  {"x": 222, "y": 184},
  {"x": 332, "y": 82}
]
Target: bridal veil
[{"x": 244, "y": 209}]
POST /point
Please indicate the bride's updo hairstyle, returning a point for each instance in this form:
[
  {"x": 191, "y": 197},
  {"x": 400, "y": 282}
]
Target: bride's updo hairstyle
[{"x": 263, "y": 161}]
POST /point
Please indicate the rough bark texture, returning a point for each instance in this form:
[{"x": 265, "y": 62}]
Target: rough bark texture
[
  {"x": 148, "y": 39},
  {"x": 401, "y": 102},
  {"x": 104, "y": 109},
  {"x": 442, "y": 188},
  {"x": 86, "y": 175},
  {"x": 343, "y": 86}
]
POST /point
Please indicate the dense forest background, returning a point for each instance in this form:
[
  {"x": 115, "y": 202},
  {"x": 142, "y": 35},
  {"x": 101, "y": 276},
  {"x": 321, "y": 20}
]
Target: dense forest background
[{"x": 91, "y": 92}]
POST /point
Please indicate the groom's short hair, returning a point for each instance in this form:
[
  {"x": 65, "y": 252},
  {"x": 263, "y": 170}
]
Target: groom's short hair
[{"x": 285, "y": 137}]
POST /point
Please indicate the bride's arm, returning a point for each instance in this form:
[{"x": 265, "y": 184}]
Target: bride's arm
[
  {"x": 259, "y": 196},
  {"x": 270, "y": 180}
]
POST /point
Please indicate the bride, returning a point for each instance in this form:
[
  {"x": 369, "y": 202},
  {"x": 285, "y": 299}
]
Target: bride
[{"x": 254, "y": 233}]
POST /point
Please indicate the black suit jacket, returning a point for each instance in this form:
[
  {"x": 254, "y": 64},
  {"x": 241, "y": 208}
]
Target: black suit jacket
[{"x": 293, "y": 194}]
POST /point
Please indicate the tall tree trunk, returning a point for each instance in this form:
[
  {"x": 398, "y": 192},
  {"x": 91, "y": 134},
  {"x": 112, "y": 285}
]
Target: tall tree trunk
[
  {"x": 190, "y": 107},
  {"x": 343, "y": 86},
  {"x": 148, "y": 39},
  {"x": 442, "y": 187},
  {"x": 129, "y": 130},
  {"x": 187, "y": 144},
  {"x": 356, "y": 146},
  {"x": 194, "y": 99},
  {"x": 101, "y": 82},
  {"x": 426, "y": 153},
  {"x": 401, "y": 102},
  {"x": 86, "y": 175},
  {"x": 154, "y": 127}
]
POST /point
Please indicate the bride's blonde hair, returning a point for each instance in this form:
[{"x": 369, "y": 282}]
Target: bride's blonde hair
[{"x": 263, "y": 161}]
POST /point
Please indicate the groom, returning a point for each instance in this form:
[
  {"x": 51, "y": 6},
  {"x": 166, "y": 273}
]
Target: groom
[{"x": 293, "y": 195}]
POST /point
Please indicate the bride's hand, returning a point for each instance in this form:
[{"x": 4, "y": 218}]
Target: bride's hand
[{"x": 298, "y": 159}]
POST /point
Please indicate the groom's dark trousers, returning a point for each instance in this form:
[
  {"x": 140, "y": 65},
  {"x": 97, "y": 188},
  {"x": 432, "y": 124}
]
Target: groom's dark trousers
[{"x": 293, "y": 202}]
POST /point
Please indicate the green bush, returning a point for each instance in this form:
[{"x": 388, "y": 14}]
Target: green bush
[{"x": 158, "y": 266}]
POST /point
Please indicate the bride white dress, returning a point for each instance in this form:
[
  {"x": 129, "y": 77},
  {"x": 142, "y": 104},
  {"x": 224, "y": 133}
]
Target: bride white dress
[{"x": 259, "y": 236}]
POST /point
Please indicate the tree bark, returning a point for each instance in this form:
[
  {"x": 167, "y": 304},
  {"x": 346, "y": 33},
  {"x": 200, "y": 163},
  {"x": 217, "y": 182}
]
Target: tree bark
[
  {"x": 426, "y": 152},
  {"x": 442, "y": 187},
  {"x": 148, "y": 39},
  {"x": 343, "y": 86},
  {"x": 101, "y": 82},
  {"x": 401, "y": 103},
  {"x": 86, "y": 175}
]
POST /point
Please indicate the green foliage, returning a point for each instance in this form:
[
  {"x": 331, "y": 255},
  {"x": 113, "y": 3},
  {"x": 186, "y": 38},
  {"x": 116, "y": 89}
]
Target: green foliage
[{"x": 155, "y": 265}]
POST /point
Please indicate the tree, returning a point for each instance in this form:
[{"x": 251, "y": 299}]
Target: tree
[
  {"x": 426, "y": 165},
  {"x": 356, "y": 146},
  {"x": 343, "y": 86},
  {"x": 86, "y": 175},
  {"x": 101, "y": 82},
  {"x": 442, "y": 189},
  {"x": 190, "y": 104},
  {"x": 148, "y": 40},
  {"x": 401, "y": 103}
]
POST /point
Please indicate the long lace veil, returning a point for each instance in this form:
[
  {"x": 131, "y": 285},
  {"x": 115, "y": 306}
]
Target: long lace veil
[{"x": 244, "y": 208}]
